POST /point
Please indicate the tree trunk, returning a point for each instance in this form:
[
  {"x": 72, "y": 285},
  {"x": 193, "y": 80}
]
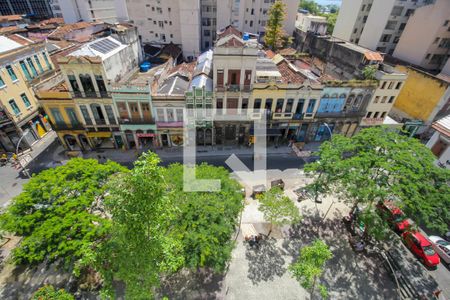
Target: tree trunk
[{"x": 313, "y": 287}]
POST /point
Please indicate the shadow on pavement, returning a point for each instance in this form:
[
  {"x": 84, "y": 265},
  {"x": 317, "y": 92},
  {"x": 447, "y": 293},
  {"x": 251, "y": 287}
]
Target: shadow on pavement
[{"x": 265, "y": 261}]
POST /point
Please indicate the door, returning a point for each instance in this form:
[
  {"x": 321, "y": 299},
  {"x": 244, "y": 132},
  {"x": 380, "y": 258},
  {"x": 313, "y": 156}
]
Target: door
[{"x": 165, "y": 140}]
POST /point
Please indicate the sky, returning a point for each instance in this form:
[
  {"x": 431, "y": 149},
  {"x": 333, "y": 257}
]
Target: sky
[{"x": 326, "y": 2}]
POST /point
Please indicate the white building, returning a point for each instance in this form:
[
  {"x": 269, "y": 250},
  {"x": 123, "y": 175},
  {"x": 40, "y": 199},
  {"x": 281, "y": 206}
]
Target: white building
[
  {"x": 440, "y": 141},
  {"x": 251, "y": 15},
  {"x": 432, "y": 24},
  {"x": 374, "y": 24},
  {"x": 109, "y": 11},
  {"x": 310, "y": 23},
  {"x": 163, "y": 22}
]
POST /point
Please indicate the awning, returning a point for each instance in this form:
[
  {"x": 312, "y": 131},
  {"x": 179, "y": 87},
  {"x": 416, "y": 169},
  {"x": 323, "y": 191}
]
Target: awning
[
  {"x": 141, "y": 135},
  {"x": 99, "y": 134},
  {"x": 374, "y": 56}
]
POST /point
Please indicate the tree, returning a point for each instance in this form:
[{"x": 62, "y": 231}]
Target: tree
[
  {"x": 331, "y": 21},
  {"x": 377, "y": 164},
  {"x": 310, "y": 265},
  {"x": 205, "y": 221},
  {"x": 56, "y": 214},
  {"x": 277, "y": 208},
  {"x": 310, "y": 6},
  {"x": 369, "y": 72},
  {"x": 48, "y": 292},
  {"x": 141, "y": 247},
  {"x": 274, "y": 29}
]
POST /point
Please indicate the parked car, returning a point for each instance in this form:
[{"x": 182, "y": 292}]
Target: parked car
[
  {"x": 394, "y": 215},
  {"x": 442, "y": 247},
  {"x": 421, "y": 247}
]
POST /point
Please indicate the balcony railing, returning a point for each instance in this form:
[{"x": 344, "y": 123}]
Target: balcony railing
[
  {"x": 233, "y": 88},
  {"x": 297, "y": 117},
  {"x": 282, "y": 116},
  {"x": 78, "y": 94},
  {"x": 78, "y": 126},
  {"x": 100, "y": 121},
  {"x": 342, "y": 114},
  {"x": 136, "y": 121}
]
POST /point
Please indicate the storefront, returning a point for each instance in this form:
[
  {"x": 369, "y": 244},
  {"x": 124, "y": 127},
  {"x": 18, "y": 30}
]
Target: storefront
[{"x": 100, "y": 139}]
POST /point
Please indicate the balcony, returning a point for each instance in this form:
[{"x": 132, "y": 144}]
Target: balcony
[
  {"x": 78, "y": 94},
  {"x": 297, "y": 117},
  {"x": 136, "y": 121},
  {"x": 233, "y": 88},
  {"x": 100, "y": 121},
  {"x": 220, "y": 88},
  {"x": 78, "y": 126},
  {"x": 342, "y": 114},
  {"x": 282, "y": 116}
]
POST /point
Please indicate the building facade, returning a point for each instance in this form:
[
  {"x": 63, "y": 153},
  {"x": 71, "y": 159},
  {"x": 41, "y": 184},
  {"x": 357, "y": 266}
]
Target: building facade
[
  {"x": 432, "y": 50},
  {"x": 440, "y": 141},
  {"x": 33, "y": 8},
  {"x": 23, "y": 63},
  {"x": 109, "y": 11},
  {"x": 251, "y": 16},
  {"x": 377, "y": 25}
]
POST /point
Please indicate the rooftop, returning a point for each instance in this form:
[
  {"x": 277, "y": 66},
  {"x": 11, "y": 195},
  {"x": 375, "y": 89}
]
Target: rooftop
[
  {"x": 174, "y": 86},
  {"x": 443, "y": 126},
  {"x": 289, "y": 74},
  {"x": 103, "y": 48},
  {"x": 12, "y": 42},
  {"x": 10, "y": 18}
]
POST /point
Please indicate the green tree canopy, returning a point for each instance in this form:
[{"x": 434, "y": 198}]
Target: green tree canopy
[
  {"x": 310, "y": 265},
  {"x": 55, "y": 212},
  {"x": 377, "y": 164},
  {"x": 369, "y": 72},
  {"x": 274, "y": 36},
  {"x": 205, "y": 221},
  {"x": 310, "y": 5},
  {"x": 48, "y": 292},
  {"x": 277, "y": 208},
  {"x": 141, "y": 247}
]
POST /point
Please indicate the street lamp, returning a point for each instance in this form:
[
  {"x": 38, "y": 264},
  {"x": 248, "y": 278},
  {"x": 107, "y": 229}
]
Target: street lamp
[{"x": 27, "y": 131}]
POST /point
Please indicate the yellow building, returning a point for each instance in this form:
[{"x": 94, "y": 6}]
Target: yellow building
[
  {"x": 57, "y": 101},
  {"x": 422, "y": 97},
  {"x": 23, "y": 63}
]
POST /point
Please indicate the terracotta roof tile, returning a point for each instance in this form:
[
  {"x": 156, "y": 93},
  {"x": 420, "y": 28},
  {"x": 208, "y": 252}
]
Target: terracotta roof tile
[
  {"x": 233, "y": 42},
  {"x": 373, "y": 56},
  {"x": 10, "y": 18},
  {"x": 270, "y": 54},
  {"x": 289, "y": 75},
  {"x": 20, "y": 39},
  {"x": 228, "y": 31},
  {"x": 11, "y": 30},
  {"x": 184, "y": 69}
]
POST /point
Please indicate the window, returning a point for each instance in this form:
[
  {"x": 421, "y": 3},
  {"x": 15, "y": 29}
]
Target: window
[
  {"x": 436, "y": 40},
  {"x": 279, "y": 106},
  {"x": 375, "y": 115},
  {"x": 169, "y": 9},
  {"x": 25, "y": 71},
  {"x": 402, "y": 26},
  {"x": 206, "y": 44},
  {"x": 110, "y": 114},
  {"x": 396, "y": 40},
  {"x": 365, "y": 19},
  {"x": 38, "y": 63},
  {"x": 363, "y": 7},
  {"x": 390, "y": 25},
  {"x": 369, "y": 6},
  {"x": 100, "y": 83},
  {"x": 219, "y": 106},
  {"x": 31, "y": 65},
  {"x": 299, "y": 109},
  {"x": 25, "y": 100},
  {"x": 385, "y": 38},
  {"x": 244, "y": 104},
  {"x": 170, "y": 23},
  {"x": 397, "y": 11},
  {"x": 11, "y": 73},
  {"x": 384, "y": 99},
  {"x": 311, "y": 105},
  {"x": 383, "y": 114},
  {"x": 391, "y": 85},
  {"x": 289, "y": 104},
  {"x": 252, "y": 12},
  {"x": 409, "y": 12},
  {"x": 207, "y": 32},
  {"x": 391, "y": 99},
  {"x": 85, "y": 114},
  {"x": 161, "y": 24},
  {"x": 355, "y": 30},
  {"x": 14, "y": 107},
  {"x": 377, "y": 99},
  {"x": 251, "y": 24},
  {"x": 47, "y": 62},
  {"x": 383, "y": 85},
  {"x": 220, "y": 78},
  {"x": 445, "y": 43},
  {"x": 179, "y": 112},
  {"x": 428, "y": 56},
  {"x": 398, "y": 86},
  {"x": 2, "y": 83},
  {"x": 57, "y": 116},
  {"x": 369, "y": 114},
  {"x": 257, "y": 104},
  {"x": 160, "y": 114},
  {"x": 446, "y": 22},
  {"x": 72, "y": 116},
  {"x": 171, "y": 36}
]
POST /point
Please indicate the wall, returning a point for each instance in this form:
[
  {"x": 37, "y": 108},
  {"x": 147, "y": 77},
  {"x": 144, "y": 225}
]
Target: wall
[
  {"x": 426, "y": 23},
  {"x": 445, "y": 156},
  {"x": 348, "y": 14},
  {"x": 420, "y": 95},
  {"x": 224, "y": 13},
  {"x": 190, "y": 27}
]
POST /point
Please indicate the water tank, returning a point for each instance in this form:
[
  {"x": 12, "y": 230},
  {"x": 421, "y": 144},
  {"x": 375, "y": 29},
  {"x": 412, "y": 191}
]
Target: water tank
[
  {"x": 246, "y": 37},
  {"x": 145, "y": 66}
]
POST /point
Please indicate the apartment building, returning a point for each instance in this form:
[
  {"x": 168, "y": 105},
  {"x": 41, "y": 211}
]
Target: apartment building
[
  {"x": 208, "y": 14},
  {"x": 377, "y": 25},
  {"x": 440, "y": 141},
  {"x": 109, "y": 11},
  {"x": 34, "y": 8},
  {"x": 23, "y": 63},
  {"x": 170, "y": 21},
  {"x": 432, "y": 24},
  {"x": 251, "y": 15}
]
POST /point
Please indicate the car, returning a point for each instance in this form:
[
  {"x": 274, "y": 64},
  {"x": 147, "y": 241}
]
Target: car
[
  {"x": 394, "y": 215},
  {"x": 442, "y": 247},
  {"x": 421, "y": 247}
]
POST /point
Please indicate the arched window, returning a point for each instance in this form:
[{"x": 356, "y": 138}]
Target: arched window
[
  {"x": 334, "y": 96},
  {"x": 343, "y": 96},
  {"x": 86, "y": 82},
  {"x": 358, "y": 100}
]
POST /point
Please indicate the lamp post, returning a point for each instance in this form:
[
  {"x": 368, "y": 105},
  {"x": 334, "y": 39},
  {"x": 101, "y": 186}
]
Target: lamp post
[
  {"x": 329, "y": 129},
  {"x": 27, "y": 131}
]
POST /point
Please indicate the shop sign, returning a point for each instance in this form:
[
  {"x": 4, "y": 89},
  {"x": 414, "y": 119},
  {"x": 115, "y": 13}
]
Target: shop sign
[{"x": 141, "y": 135}]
